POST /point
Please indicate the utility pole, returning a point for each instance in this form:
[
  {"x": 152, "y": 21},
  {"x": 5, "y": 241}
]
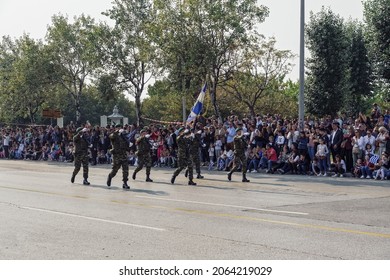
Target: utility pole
[{"x": 302, "y": 69}]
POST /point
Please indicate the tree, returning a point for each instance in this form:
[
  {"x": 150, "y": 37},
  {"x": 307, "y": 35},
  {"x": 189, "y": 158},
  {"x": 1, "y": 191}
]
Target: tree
[
  {"x": 28, "y": 79},
  {"x": 260, "y": 73},
  {"x": 360, "y": 79},
  {"x": 328, "y": 66},
  {"x": 377, "y": 18},
  {"x": 199, "y": 38},
  {"x": 126, "y": 48},
  {"x": 73, "y": 50}
]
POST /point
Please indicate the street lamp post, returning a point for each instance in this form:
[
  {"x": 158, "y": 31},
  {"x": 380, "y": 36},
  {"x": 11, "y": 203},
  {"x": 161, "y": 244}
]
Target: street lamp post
[{"x": 302, "y": 68}]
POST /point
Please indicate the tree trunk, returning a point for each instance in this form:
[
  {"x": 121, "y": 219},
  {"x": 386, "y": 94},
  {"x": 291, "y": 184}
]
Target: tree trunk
[
  {"x": 78, "y": 110},
  {"x": 138, "y": 109}
]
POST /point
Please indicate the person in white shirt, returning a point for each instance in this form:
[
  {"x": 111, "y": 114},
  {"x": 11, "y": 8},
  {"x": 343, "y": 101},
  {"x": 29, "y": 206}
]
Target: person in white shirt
[
  {"x": 369, "y": 139},
  {"x": 322, "y": 152}
]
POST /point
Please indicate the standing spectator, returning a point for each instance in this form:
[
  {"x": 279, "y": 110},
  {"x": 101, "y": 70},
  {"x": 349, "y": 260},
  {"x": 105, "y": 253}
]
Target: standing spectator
[
  {"x": 336, "y": 138},
  {"x": 381, "y": 139},
  {"x": 230, "y": 133},
  {"x": 322, "y": 152},
  {"x": 370, "y": 139},
  {"x": 357, "y": 147},
  {"x": 6, "y": 143}
]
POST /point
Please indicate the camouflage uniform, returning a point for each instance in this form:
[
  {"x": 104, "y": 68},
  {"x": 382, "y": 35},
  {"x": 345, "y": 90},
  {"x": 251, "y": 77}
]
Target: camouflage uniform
[
  {"x": 120, "y": 146},
  {"x": 80, "y": 155},
  {"x": 183, "y": 158},
  {"x": 194, "y": 154},
  {"x": 239, "y": 156},
  {"x": 144, "y": 157}
]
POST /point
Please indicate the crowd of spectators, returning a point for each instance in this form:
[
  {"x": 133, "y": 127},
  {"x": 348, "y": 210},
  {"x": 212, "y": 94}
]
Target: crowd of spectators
[{"x": 324, "y": 147}]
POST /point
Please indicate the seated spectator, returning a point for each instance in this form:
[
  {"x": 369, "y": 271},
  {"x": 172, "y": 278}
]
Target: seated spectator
[
  {"x": 315, "y": 167},
  {"x": 102, "y": 158},
  {"x": 384, "y": 168},
  {"x": 368, "y": 169},
  {"x": 255, "y": 160},
  {"x": 357, "y": 172},
  {"x": 339, "y": 166},
  {"x": 269, "y": 158},
  {"x": 303, "y": 164}
]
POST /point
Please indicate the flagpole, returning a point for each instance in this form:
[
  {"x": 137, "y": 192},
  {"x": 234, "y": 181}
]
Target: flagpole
[{"x": 302, "y": 69}]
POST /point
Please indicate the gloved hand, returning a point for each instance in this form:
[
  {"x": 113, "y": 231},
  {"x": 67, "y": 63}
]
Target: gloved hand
[
  {"x": 147, "y": 135},
  {"x": 121, "y": 130},
  {"x": 246, "y": 133},
  {"x": 90, "y": 146},
  {"x": 131, "y": 144},
  {"x": 84, "y": 129}
]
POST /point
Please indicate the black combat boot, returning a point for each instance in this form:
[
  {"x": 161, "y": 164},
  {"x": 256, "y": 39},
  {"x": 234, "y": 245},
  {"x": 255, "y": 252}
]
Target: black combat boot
[
  {"x": 191, "y": 183},
  {"x": 199, "y": 176},
  {"x": 244, "y": 179},
  {"x": 125, "y": 185},
  {"x": 229, "y": 176},
  {"x": 134, "y": 175},
  {"x": 148, "y": 179},
  {"x": 173, "y": 179},
  {"x": 72, "y": 179},
  {"x": 109, "y": 180},
  {"x": 85, "y": 182}
]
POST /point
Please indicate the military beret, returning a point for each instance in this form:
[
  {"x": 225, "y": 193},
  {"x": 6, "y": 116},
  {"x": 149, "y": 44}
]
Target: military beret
[
  {"x": 79, "y": 129},
  {"x": 238, "y": 129}
]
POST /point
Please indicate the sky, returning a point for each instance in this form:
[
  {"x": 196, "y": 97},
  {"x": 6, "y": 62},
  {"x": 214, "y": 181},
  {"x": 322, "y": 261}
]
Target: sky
[{"x": 33, "y": 17}]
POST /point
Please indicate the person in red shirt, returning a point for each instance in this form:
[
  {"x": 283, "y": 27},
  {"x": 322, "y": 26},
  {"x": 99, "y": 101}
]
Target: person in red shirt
[{"x": 269, "y": 158}]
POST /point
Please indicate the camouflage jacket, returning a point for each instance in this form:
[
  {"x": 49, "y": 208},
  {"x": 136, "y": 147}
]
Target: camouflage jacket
[
  {"x": 119, "y": 143},
  {"x": 143, "y": 145},
  {"x": 80, "y": 144},
  {"x": 239, "y": 145}
]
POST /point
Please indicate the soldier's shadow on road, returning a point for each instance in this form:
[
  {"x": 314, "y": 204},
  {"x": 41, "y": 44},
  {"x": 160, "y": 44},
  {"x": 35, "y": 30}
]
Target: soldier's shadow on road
[{"x": 160, "y": 193}]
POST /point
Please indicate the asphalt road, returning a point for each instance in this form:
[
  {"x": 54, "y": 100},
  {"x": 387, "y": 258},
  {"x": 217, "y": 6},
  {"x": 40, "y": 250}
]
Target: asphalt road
[{"x": 274, "y": 217}]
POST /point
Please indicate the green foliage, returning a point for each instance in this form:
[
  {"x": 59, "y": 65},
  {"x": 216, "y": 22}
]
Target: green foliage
[
  {"x": 259, "y": 72},
  {"x": 26, "y": 79},
  {"x": 328, "y": 67},
  {"x": 377, "y": 18},
  {"x": 73, "y": 51},
  {"x": 360, "y": 79}
]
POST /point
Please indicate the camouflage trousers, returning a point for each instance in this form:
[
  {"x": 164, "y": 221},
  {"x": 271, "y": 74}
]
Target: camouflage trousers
[
  {"x": 184, "y": 162},
  {"x": 239, "y": 159},
  {"x": 120, "y": 160},
  {"x": 81, "y": 159},
  {"x": 196, "y": 161},
  {"x": 144, "y": 160}
]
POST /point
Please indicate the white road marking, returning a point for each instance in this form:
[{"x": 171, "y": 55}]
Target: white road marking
[
  {"x": 224, "y": 205},
  {"x": 91, "y": 218}
]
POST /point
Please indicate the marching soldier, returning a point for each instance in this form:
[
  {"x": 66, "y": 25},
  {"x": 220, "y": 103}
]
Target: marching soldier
[
  {"x": 184, "y": 160},
  {"x": 80, "y": 140},
  {"x": 194, "y": 153},
  {"x": 144, "y": 155},
  {"x": 120, "y": 147},
  {"x": 239, "y": 155}
]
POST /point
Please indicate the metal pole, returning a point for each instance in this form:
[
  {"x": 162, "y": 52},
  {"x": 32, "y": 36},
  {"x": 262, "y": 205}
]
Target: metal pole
[{"x": 302, "y": 69}]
